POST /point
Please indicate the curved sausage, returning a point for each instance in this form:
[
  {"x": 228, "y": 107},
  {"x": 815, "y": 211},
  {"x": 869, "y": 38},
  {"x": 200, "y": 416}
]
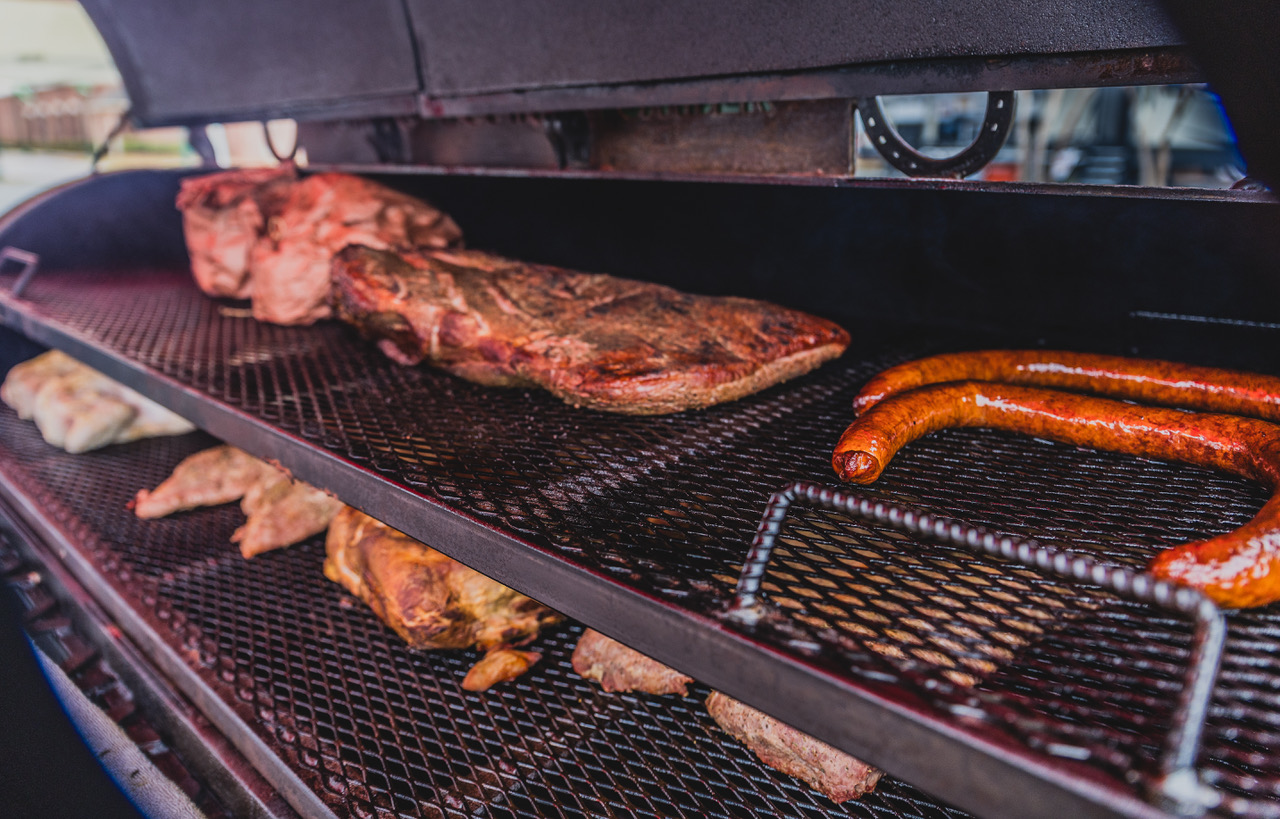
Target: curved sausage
[
  {"x": 1237, "y": 569},
  {"x": 1154, "y": 382}
]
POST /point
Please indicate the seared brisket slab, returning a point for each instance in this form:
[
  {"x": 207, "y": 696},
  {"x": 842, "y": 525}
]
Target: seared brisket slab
[{"x": 593, "y": 340}]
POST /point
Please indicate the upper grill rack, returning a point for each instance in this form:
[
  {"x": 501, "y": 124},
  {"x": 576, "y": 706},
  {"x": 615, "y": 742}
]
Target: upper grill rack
[{"x": 660, "y": 509}]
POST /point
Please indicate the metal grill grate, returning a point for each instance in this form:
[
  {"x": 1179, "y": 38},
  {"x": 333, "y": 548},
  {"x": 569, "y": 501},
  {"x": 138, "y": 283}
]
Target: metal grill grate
[
  {"x": 666, "y": 506},
  {"x": 371, "y": 726}
]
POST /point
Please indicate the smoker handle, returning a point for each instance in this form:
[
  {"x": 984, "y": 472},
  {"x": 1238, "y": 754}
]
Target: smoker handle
[
  {"x": 30, "y": 264},
  {"x": 1179, "y": 787}
]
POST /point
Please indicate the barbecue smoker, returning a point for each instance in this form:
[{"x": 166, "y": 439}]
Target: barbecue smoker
[{"x": 707, "y": 146}]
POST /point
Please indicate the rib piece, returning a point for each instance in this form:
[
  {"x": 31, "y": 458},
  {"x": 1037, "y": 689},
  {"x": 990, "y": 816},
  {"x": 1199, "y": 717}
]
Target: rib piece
[
  {"x": 593, "y": 340},
  {"x": 619, "y": 668},
  {"x": 429, "y": 599},
  {"x": 77, "y": 408},
  {"x": 833, "y": 773},
  {"x": 223, "y": 216},
  {"x": 219, "y": 475}
]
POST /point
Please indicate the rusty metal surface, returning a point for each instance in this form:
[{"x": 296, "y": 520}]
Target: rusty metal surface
[{"x": 783, "y": 138}]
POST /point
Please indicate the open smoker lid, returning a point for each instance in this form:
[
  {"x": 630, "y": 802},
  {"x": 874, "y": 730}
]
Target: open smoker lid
[{"x": 191, "y": 62}]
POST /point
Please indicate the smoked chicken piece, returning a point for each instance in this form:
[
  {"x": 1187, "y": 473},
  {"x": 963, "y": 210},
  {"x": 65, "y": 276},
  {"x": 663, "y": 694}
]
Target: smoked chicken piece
[
  {"x": 23, "y": 383},
  {"x": 833, "y": 773},
  {"x": 619, "y": 668},
  {"x": 593, "y": 340},
  {"x": 77, "y": 408},
  {"x": 281, "y": 511},
  {"x": 223, "y": 216},
  {"x": 431, "y": 600},
  {"x": 215, "y": 476}
]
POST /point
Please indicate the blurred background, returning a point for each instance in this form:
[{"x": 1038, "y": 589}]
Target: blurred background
[{"x": 61, "y": 99}]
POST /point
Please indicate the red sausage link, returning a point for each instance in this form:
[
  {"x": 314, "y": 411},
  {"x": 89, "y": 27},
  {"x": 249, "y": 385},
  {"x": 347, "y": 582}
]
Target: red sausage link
[
  {"x": 1237, "y": 569},
  {"x": 1154, "y": 382}
]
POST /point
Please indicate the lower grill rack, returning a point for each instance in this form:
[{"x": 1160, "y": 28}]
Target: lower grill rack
[{"x": 366, "y": 725}]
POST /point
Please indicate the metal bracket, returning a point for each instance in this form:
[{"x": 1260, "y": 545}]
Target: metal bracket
[
  {"x": 30, "y": 264},
  {"x": 116, "y": 130},
  {"x": 271, "y": 146},
  {"x": 387, "y": 141},
  {"x": 1179, "y": 788},
  {"x": 570, "y": 137},
  {"x": 996, "y": 126}
]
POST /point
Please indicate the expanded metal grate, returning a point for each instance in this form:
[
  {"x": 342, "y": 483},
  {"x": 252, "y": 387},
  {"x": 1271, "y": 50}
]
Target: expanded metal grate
[
  {"x": 667, "y": 506},
  {"x": 373, "y": 727}
]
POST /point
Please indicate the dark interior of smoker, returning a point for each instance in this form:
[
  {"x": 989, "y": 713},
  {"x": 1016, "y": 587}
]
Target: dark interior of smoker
[{"x": 973, "y": 681}]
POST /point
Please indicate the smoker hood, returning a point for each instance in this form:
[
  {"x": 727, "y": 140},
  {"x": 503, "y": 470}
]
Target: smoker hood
[{"x": 187, "y": 62}]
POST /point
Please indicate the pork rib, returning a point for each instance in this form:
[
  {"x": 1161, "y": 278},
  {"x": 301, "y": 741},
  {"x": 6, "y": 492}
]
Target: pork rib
[{"x": 593, "y": 340}]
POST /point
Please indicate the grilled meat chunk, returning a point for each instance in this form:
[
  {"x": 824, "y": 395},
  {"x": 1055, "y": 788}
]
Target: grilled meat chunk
[
  {"x": 223, "y": 216},
  {"x": 269, "y": 235},
  {"x": 619, "y": 668},
  {"x": 429, "y": 599},
  {"x": 281, "y": 511},
  {"x": 833, "y": 773},
  {"x": 593, "y": 340},
  {"x": 78, "y": 408},
  {"x": 323, "y": 214},
  {"x": 499, "y": 665},
  {"x": 24, "y": 381}
]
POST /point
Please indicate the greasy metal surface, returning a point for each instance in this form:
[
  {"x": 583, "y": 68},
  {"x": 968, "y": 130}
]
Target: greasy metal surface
[
  {"x": 372, "y": 727},
  {"x": 814, "y": 137},
  {"x": 1073, "y": 684},
  {"x": 334, "y": 61}
]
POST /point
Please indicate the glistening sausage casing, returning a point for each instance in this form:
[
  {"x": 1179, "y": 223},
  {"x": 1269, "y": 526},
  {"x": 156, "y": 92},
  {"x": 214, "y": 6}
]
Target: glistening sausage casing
[
  {"x": 1237, "y": 569},
  {"x": 1167, "y": 383}
]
